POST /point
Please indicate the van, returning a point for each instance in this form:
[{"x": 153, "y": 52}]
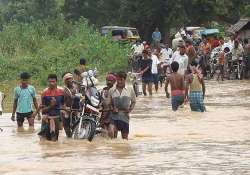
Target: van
[{"x": 121, "y": 33}]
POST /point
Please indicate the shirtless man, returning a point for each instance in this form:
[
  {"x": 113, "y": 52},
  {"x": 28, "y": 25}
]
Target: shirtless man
[
  {"x": 195, "y": 89},
  {"x": 176, "y": 82}
]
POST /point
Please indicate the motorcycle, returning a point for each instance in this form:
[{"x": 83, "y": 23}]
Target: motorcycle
[
  {"x": 236, "y": 69},
  {"x": 84, "y": 115},
  {"x": 213, "y": 62}
]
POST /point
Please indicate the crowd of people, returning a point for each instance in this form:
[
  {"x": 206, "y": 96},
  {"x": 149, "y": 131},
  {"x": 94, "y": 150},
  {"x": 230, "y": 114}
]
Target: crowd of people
[
  {"x": 183, "y": 69},
  {"x": 117, "y": 101},
  {"x": 187, "y": 64},
  {"x": 221, "y": 56},
  {"x": 163, "y": 66}
]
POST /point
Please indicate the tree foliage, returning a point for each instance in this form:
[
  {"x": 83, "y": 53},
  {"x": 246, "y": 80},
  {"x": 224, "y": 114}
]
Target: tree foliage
[
  {"x": 143, "y": 14},
  {"x": 52, "y": 31},
  {"x": 146, "y": 14}
]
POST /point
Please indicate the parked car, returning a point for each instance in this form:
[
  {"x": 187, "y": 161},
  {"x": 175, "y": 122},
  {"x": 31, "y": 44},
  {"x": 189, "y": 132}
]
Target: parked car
[{"x": 121, "y": 33}]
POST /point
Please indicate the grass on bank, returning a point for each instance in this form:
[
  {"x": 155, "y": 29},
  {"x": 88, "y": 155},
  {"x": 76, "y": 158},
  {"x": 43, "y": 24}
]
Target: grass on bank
[{"x": 54, "y": 46}]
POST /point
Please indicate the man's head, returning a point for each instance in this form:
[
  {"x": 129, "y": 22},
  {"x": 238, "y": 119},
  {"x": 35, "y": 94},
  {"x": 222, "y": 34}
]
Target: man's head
[
  {"x": 52, "y": 81},
  {"x": 188, "y": 42},
  {"x": 193, "y": 66},
  {"x": 166, "y": 45},
  {"x": 204, "y": 40},
  {"x": 110, "y": 80},
  {"x": 157, "y": 51},
  {"x": 121, "y": 79},
  {"x": 82, "y": 62},
  {"x": 175, "y": 66},
  {"x": 182, "y": 49},
  {"x": 157, "y": 29},
  {"x": 145, "y": 54},
  {"x": 24, "y": 78},
  {"x": 149, "y": 52},
  {"x": 194, "y": 63},
  {"x": 68, "y": 79}
]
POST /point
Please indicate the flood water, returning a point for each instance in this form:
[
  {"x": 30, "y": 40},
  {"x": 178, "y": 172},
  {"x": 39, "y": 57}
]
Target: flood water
[{"x": 161, "y": 141}]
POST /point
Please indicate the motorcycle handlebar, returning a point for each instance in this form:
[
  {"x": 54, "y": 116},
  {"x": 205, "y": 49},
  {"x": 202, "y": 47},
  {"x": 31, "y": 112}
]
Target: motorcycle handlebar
[
  {"x": 72, "y": 110},
  {"x": 78, "y": 83}
]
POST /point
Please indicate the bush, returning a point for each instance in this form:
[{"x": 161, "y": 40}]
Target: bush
[{"x": 55, "y": 46}]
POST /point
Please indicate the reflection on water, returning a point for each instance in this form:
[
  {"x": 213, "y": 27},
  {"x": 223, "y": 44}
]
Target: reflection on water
[{"x": 161, "y": 141}]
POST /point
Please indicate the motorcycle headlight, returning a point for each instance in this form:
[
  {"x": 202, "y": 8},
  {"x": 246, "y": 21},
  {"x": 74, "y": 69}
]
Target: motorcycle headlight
[{"x": 95, "y": 102}]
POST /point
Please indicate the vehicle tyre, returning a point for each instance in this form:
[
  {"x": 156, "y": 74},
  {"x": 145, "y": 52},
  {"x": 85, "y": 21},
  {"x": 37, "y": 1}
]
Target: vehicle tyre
[{"x": 86, "y": 131}]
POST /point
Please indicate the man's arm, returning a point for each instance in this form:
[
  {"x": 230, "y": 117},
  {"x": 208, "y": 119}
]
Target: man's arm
[
  {"x": 14, "y": 105},
  {"x": 187, "y": 87},
  {"x": 111, "y": 105},
  {"x": 44, "y": 108},
  {"x": 14, "y": 109},
  {"x": 203, "y": 88},
  {"x": 183, "y": 84},
  {"x": 144, "y": 70},
  {"x": 36, "y": 107},
  {"x": 166, "y": 87},
  {"x": 153, "y": 35}
]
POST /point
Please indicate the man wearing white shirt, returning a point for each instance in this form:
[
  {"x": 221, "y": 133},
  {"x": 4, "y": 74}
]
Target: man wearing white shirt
[
  {"x": 181, "y": 57},
  {"x": 138, "y": 48},
  {"x": 154, "y": 69},
  {"x": 166, "y": 54}
]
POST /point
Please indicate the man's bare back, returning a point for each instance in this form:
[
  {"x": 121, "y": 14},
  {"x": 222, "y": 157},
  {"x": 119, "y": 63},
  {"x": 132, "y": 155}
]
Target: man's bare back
[{"x": 176, "y": 81}]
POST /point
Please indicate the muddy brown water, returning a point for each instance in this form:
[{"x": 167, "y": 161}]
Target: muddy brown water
[{"x": 161, "y": 141}]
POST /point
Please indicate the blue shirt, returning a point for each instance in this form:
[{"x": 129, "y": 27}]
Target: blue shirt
[
  {"x": 24, "y": 97},
  {"x": 156, "y": 36}
]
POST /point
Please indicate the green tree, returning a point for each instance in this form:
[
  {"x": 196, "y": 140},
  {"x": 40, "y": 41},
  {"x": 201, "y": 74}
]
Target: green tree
[{"x": 28, "y": 10}]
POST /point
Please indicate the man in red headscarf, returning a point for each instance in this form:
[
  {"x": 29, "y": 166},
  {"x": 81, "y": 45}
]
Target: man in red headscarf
[{"x": 106, "y": 102}]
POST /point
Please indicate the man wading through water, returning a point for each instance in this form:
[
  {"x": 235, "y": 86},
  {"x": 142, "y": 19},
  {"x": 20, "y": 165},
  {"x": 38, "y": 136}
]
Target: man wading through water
[
  {"x": 52, "y": 102},
  {"x": 196, "y": 87},
  {"x": 69, "y": 93},
  {"x": 24, "y": 96},
  {"x": 123, "y": 101},
  {"x": 176, "y": 81},
  {"x": 147, "y": 77},
  {"x": 106, "y": 102}
]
